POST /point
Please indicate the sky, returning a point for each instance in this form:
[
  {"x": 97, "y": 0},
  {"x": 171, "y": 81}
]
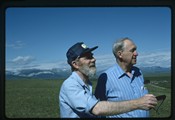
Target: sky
[{"x": 40, "y": 37}]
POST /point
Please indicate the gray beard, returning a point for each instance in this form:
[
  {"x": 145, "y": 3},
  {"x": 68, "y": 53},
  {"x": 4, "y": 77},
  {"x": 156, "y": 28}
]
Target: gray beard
[{"x": 90, "y": 72}]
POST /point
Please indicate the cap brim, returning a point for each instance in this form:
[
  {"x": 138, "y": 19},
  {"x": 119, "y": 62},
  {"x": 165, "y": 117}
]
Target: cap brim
[{"x": 91, "y": 49}]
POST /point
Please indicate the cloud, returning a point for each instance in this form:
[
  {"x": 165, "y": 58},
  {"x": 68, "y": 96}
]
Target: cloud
[
  {"x": 23, "y": 60},
  {"x": 15, "y": 45},
  {"x": 51, "y": 65},
  {"x": 104, "y": 61},
  {"x": 29, "y": 62},
  {"x": 20, "y": 62},
  {"x": 149, "y": 59},
  {"x": 157, "y": 58}
]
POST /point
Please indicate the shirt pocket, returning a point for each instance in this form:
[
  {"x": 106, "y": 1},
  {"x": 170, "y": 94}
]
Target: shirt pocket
[
  {"x": 114, "y": 95},
  {"x": 144, "y": 90}
]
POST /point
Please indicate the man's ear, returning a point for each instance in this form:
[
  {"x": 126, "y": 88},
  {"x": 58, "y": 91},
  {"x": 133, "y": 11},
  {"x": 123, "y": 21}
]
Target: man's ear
[
  {"x": 119, "y": 54},
  {"x": 74, "y": 64}
]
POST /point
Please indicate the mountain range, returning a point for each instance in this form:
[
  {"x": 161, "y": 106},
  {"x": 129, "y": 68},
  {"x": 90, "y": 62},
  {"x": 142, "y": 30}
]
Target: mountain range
[{"x": 57, "y": 73}]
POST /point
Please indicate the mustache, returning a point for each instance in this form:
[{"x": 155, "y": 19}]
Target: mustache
[{"x": 92, "y": 65}]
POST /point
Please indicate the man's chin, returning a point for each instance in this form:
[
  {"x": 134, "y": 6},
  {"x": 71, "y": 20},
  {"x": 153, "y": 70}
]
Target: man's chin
[
  {"x": 134, "y": 61},
  {"x": 92, "y": 73}
]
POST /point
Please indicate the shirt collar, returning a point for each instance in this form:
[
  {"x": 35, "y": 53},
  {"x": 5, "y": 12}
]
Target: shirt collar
[
  {"x": 80, "y": 81},
  {"x": 121, "y": 73}
]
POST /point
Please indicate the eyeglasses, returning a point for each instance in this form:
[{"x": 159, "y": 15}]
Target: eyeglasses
[{"x": 160, "y": 100}]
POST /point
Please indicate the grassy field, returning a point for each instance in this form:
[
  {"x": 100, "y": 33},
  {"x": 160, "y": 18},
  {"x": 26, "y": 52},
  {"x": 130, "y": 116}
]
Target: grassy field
[{"x": 39, "y": 98}]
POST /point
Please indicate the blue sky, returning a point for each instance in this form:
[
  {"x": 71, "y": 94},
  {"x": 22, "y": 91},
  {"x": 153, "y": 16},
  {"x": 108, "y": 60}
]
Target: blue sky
[{"x": 40, "y": 37}]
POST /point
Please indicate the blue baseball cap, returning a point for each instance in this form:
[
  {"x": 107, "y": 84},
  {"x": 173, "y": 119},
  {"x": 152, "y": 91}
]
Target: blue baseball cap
[{"x": 76, "y": 50}]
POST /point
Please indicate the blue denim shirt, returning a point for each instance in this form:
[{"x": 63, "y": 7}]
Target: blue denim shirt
[
  {"x": 76, "y": 99},
  {"x": 115, "y": 85}
]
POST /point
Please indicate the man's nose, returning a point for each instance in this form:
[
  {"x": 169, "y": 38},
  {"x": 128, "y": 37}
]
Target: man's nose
[{"x": 136, "y": 53}]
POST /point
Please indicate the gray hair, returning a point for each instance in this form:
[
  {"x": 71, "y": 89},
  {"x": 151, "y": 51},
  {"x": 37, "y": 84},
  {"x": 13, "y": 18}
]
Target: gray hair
[{"x": 119, "y": 46}]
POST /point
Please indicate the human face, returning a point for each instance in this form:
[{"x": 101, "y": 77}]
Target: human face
[
  {"x": 87, "y": 65},
  {"x": 129, "y": 54}
]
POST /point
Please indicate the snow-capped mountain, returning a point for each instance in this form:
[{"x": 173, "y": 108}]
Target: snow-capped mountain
[
  {"x": 38, "y": 73},
  {"x": 57, "y": 73}
]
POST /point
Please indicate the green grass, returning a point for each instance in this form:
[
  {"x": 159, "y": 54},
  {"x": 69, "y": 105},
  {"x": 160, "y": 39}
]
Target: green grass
[
  {"x": 161, "y": 85},
  {"x": 32, "y": 98},
  {"x": 39, "y": 98}
]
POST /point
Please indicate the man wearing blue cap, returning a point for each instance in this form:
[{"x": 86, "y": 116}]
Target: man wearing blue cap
[{"x": 76, "y": 98}]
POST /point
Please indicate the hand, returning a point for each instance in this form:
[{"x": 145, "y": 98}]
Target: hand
[{"x": 147, "y": 102}]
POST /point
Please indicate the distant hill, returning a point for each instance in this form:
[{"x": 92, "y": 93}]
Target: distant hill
[
  {"x": 155, "y": 70},
  {"x": 38, "y": 74},
  {"x": 56, "y": 73}
]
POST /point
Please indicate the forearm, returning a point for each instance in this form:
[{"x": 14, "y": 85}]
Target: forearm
[{"x": 105, "y": 108}]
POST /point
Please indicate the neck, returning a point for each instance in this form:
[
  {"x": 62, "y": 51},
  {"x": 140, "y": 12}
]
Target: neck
[
  {"x": 83, "y": 77},
  {"x": 126, "y": 68}
]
